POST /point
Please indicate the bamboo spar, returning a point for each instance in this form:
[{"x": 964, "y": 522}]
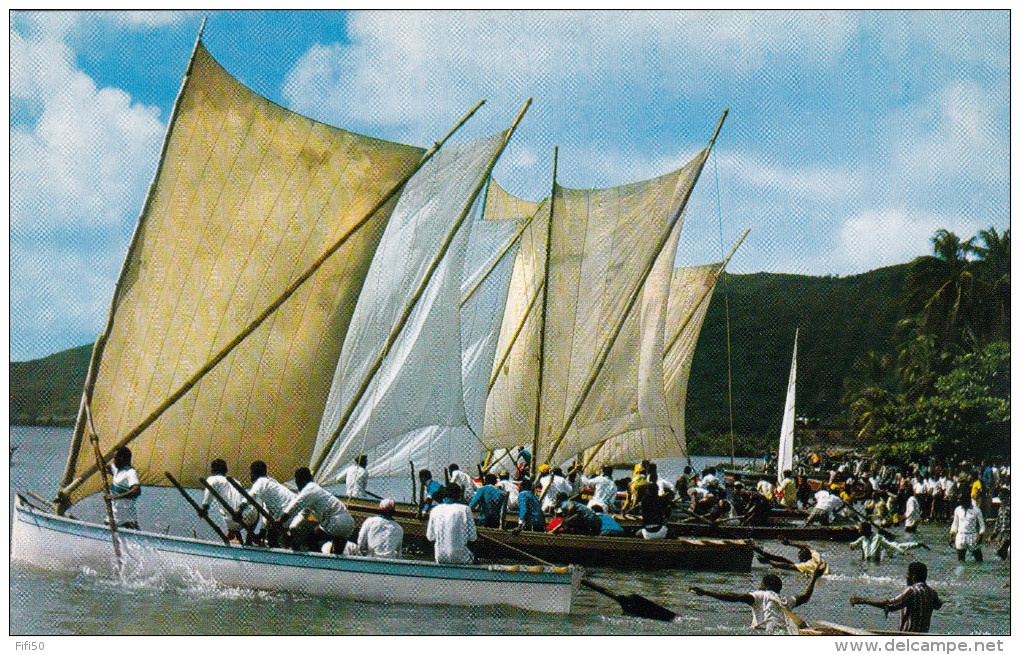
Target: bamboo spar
[
  {"x": 545, "y": 303},
  {"x": 604, "y": 355},
  {"x": 419, "y": 292},
  {"x": 68, "y": 487}
]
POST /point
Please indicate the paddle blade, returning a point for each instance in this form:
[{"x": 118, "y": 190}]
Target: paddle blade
[{"x": 635, "y": 605}]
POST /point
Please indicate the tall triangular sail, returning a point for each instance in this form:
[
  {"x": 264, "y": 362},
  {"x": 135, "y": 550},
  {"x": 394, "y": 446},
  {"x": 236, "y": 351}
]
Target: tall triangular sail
[
  {"x": 603, "y": 241},
  {"x": 510, "y": 406},
  {"x": 690, "y": 293},
  {"x": 246, "y": 196},
  {"x": 785, "y": 460},
  {"x": 414, "y": 406}
]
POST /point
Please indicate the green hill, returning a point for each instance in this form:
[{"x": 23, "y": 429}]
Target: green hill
[
  {"x": 47, "y": 391},
  {"x": 839, "y": 319}
]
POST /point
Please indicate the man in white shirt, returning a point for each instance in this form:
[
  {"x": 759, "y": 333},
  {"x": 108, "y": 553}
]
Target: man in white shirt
[
  {"x": 507, "y": 486},
  {"x": 451, "y": 526},
  {"x": 124, "y": 489},
  {"x": 709, "y": 480},
  {"x": 274, "y": 498},
  {"x": 872, "y": 544},
  {"x": 968, "y": 528},
  {"x": 356, "y": 477},
  {"x": 826, "y": 506},
  {"x": 553, "y": 484},
  {"x": 381, "y": 536},
  {"x": 232, "y": 519},
  {"x": 766, "y": 603},
  {"x": 464, "y": 481},
  {"x": 335, "y": 523},
  {"x": 912, "y": 513},
  {"x": 603, "y": 489},
  {"x": 786, "y": 492}
]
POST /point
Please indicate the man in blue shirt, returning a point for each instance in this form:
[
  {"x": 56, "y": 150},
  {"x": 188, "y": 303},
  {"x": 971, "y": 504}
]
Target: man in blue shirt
[
  {"x": 429, "y": 488},
  {"x": 610, "y": 528},
  {"x": 490, "y": 503},
  {"x": 530, "y": 516}
]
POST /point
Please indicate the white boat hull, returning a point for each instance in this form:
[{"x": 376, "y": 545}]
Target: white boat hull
[{"x": 58, "y": 543}]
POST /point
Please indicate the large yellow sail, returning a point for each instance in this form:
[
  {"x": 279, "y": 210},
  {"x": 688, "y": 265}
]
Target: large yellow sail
[{"x": 247, "y": 195}]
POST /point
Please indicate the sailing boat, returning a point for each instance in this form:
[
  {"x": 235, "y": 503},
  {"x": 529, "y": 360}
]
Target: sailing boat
[
  {"x": 198, "y": 360},
  {"x": 784, "y": 458}
]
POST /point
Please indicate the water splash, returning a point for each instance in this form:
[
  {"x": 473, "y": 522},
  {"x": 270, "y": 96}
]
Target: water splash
[{"x": 144, "y": 572}]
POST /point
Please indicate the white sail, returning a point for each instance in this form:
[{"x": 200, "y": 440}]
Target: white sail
[
  {"x": 413, "y": 409},
  {"x": 785, "y": 460}
]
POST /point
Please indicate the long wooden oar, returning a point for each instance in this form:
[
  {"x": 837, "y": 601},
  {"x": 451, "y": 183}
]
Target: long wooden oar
[
  {"x": 45, "y": 503},
  {"x": 101, "y": 463},
  {"x": 234, "y": 513},
  {"x": 198, "y": 510},
  {"x": 631, "y": 604},
  {"x": 251, "y": 501}
]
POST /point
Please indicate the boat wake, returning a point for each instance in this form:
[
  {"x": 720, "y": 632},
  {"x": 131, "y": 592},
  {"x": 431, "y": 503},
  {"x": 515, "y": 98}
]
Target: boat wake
[{"x": 140, "y": 577}]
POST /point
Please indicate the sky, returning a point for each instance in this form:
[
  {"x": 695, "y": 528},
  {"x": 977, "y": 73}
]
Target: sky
[{"x": 851, "y": 136}]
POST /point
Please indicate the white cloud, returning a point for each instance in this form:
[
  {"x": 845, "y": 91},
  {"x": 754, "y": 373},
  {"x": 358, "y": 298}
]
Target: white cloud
[
  {"x": 874, "y": 239},
  {"x": 598, "y": 78},
  {"x": 81, "y": 159}
]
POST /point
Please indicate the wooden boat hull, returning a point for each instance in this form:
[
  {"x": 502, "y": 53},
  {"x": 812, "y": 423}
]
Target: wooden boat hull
[
  {"x": 57, "y": 543},
  {"x": 616, "y": 552},
  {"x": 842, "y": 533}
]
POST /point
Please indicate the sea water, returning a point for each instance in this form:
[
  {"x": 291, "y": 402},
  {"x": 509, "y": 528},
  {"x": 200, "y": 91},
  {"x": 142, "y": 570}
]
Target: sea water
[{"x": 84, "y": 602}]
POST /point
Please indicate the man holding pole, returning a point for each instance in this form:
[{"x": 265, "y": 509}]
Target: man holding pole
[
  {"x": 217, "y": 484},
  {"x": 124, "y": 489}
]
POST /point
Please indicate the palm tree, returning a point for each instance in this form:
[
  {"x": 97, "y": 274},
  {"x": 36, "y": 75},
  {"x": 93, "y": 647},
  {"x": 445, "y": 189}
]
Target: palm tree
[
  {"x": 992, "y": 315},
  {"x": 867, "y": 395},
  {"x": 939, "y": 289}
]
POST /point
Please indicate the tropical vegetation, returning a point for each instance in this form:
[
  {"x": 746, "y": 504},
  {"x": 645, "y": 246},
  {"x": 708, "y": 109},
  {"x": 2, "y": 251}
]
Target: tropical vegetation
[{"x": 942, "y": 391}]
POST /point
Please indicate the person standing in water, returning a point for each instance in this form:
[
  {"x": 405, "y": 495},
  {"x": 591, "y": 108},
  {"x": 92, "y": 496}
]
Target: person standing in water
[{"x": 917, "y": 602}]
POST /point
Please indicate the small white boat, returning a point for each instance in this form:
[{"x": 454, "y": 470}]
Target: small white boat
[{"x": 59, "y": 543}]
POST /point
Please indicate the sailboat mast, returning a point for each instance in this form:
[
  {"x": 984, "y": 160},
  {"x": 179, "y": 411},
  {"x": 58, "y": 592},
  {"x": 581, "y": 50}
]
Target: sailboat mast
[
  {"x": 633, "y": 297},
  {"x": 545, "y": 305},
  {"x": 409, "y": 309}
]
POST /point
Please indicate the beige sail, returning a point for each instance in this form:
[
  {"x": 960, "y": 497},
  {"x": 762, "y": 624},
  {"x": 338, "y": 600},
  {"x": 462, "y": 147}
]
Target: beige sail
[
  {"x": 247, "y": 195},
  {"x": 602, "y": 244},
  {"x": 510, "y": 407},
  {"x": 690, "y": 293}
]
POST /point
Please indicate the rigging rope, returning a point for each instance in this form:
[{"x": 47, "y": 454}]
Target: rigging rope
[{"x": 726, "y": 297}]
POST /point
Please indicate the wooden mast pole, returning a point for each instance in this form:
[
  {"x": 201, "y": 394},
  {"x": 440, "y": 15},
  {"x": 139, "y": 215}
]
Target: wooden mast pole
[
  {"x": 542, "y": 331},
  {"x": 69, "y": 486},
  {"x": 604, "y": 355},
  {"x": 398, "y": 328}
]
